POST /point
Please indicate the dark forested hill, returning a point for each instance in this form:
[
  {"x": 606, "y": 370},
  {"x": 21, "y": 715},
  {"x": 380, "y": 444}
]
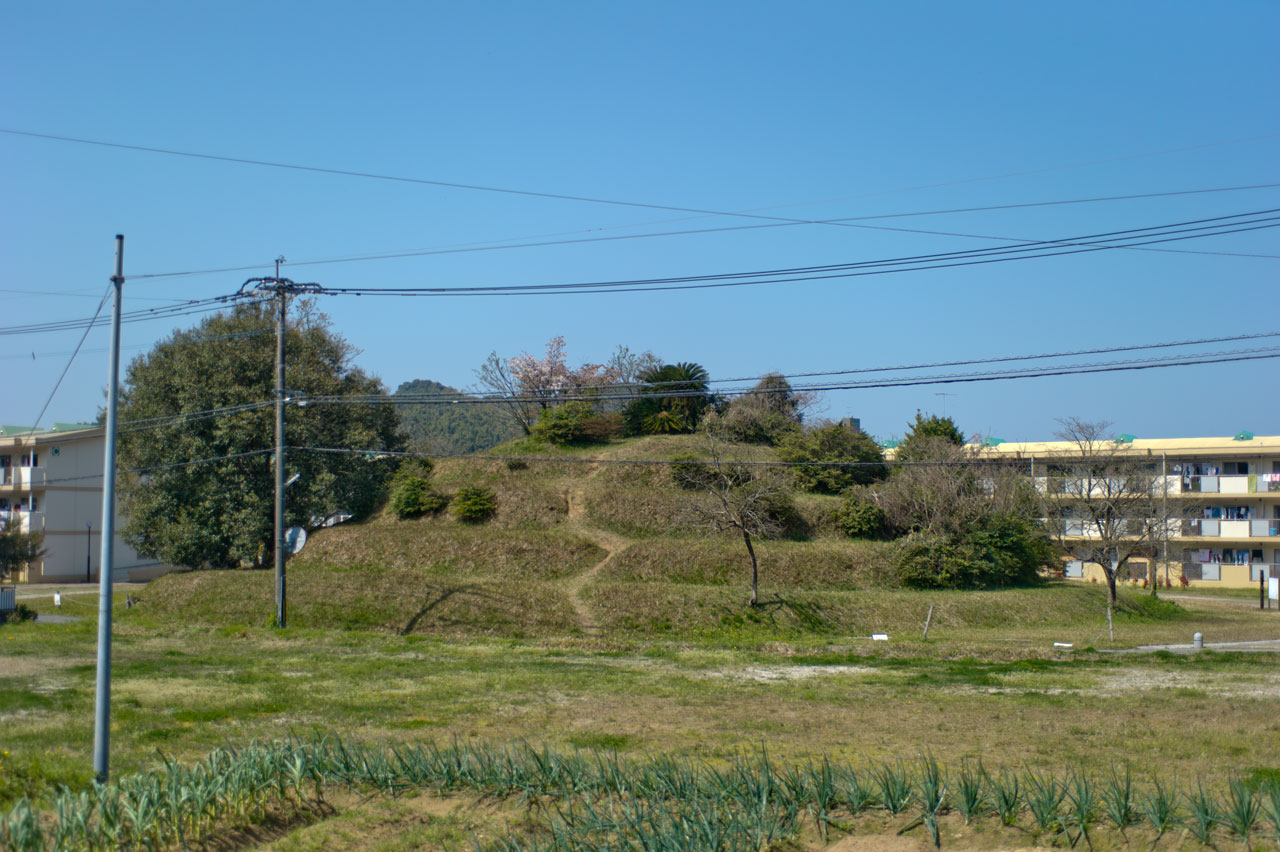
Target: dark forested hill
[{"x": 448, "y": 429}]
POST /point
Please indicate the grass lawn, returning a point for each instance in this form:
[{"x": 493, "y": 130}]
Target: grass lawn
[{"x": 999, "y": 693}]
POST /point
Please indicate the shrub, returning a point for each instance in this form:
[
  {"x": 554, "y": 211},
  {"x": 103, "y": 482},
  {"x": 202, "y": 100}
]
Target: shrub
[
  {"x": 475, "y": 505},
  {"x": 414, "y": 468},
  {"x": 412, "y": 498},
  {"x": 600, "y": 428},
  {"x": 693, "y": 474},
  {"x": 576, "y": 422},
  {"x": 21, "y": 613},
  {"x": 748, "y": 422},
  {"x": 1000, "y": 550},
  {"x": 828, "y": 443},
  {"x": 858, "y": 517},
  {"x": 782, "y": 510}
]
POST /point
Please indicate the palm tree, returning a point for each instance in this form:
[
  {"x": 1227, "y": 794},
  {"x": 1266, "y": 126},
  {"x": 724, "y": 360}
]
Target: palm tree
[{"x": 673, "y": 399}]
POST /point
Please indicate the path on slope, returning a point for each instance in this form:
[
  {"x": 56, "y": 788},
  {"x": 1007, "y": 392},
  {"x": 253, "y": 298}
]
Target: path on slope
[{"x": 613, "y": 544}]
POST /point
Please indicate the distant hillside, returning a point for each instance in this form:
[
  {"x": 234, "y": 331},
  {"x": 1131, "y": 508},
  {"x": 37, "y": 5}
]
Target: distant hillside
[{"x": 452, "y": 429}]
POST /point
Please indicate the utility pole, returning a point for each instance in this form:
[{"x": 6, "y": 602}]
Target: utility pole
[
  {"x": 102, "y": 703},
  {"x": 88, "y": 551},
  {"x": 281, "y": 301},
  {"x": 281, "y": 289}
]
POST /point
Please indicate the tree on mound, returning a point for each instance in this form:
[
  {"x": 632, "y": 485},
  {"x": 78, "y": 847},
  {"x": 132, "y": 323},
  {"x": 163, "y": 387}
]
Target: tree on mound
[
  {"x": 672, "y": 399},
  {"x": 753, "y": 503},
  {"x": 833, "y": 457},
  {"x": 197, "y": 427}
]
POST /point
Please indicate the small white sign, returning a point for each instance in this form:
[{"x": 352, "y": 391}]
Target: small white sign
[
  {"x": 1273, "y": 588},
  {"x": 1062, "y": 644},
  {"x": 880, "y": 637}
]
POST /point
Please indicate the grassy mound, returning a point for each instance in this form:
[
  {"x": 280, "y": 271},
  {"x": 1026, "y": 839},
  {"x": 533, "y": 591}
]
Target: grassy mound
[{"x": 596, "y": 540}]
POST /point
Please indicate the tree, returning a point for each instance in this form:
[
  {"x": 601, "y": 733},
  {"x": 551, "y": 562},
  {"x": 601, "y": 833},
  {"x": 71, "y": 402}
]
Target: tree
[
  {"x": 17, "y": 548},
  {"x": 767, "y": 414},
  {"x": 673, "y": 398},
  {"x": 753, "y": 503},
  {"x": 838, "y": 457},
  {"x": 926, "y": 429},
  {"x": 1107, "y": 503},
  {"x": 967, "y": 521},
  {"x": 201, "y": 492},
  {"x": 529, "y": 385}
]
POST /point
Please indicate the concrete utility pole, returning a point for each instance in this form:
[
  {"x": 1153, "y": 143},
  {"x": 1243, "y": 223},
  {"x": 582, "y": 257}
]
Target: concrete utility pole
[
  {"x": 281, "y": 289},
  {"x": 102, "y": 703},
  {"x": 281, "y": 302}
]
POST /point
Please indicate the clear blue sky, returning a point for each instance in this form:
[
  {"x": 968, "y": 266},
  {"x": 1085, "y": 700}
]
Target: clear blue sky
[{"x": 805, "y": 110}]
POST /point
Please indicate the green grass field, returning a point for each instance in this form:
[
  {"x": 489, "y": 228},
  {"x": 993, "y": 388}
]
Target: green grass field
[{"x": 560, "y": 626}]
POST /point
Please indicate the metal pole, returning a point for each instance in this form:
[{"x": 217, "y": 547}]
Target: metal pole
[
  {"x": 88, "y": 551},
  {"x": 279, "y": 548},
  {"x": 102, "y": 704}
]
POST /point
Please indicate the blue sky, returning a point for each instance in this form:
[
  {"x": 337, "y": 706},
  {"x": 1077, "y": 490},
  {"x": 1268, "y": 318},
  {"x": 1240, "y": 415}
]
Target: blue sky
[{"x": 803, "y": 110}]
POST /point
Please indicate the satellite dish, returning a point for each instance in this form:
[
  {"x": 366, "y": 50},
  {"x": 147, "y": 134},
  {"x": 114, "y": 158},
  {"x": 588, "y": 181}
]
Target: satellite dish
[{"x": 294, "y": 539}]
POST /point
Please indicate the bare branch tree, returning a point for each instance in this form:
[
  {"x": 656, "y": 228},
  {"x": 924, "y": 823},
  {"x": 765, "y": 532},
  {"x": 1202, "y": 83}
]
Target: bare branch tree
[
  {"x": 749, "y": 501},
  {"x": 1109, "y": 504}
]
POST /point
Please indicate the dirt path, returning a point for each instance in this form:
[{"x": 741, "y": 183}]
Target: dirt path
[{"x": 612, "y": 543}]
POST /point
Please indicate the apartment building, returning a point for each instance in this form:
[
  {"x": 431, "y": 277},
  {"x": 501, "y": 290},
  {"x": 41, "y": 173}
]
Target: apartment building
[
  {"x": 1225, "y": 494},
  {"x": 51, "y": 483}
]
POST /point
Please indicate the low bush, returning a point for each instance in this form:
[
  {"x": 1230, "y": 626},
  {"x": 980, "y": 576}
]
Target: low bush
[
  {"x": 475, "y": 505},
  {"x": 576, "y": 423},
  {"x": 413, "y": 498},
  {"x": 1000, "y": 550},
  {"x": 20, "y": 614},
  {"x": 859, "y": 517}
]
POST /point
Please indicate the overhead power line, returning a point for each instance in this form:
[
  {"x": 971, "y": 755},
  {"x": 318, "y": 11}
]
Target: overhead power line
[
  {"x": 695, "y": 211},
  {"x": 583, "y": 198},
  {"x": 188, "y": 308},
  {"x": 615, "y": 392},
  {"x": 1191, "y": 229},
  {"x": 542, "y": 240},
  {"x": 1042, "y": 371}
]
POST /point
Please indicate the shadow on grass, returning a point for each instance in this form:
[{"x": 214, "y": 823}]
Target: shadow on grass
[
  {"x": 808, "y": 615},
  {"x": 439, "y": 596}
]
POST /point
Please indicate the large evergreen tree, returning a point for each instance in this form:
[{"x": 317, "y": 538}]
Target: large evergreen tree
[
  {"x": 924, "y": 433},
  {"x": 200, "y": 493}
]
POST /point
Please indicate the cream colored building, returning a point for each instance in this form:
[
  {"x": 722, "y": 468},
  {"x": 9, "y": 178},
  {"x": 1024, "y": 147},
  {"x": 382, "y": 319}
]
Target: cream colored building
[
  {"x": 1228, "y": 532},
  {"x": 51, "y": 483}
]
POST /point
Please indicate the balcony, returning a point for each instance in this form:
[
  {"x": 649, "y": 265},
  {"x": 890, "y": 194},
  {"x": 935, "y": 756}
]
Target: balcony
[
  {"x": 22, "y": 477},
  {"x": 1260, "y": 483},
  {"x": 1215, "y": 528}
]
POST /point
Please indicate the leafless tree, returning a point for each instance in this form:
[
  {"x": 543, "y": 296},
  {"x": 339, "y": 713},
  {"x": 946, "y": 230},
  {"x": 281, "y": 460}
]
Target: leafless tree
[
  {"x": 1110, "y": 505},
  {"x": 748, "y": 500},
  {"x": 495, "y": 380},
  {"x": 946, "y": 488}
]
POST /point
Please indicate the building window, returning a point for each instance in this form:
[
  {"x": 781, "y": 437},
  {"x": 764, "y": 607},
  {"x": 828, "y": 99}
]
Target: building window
[{"x": 31, "y": 459}]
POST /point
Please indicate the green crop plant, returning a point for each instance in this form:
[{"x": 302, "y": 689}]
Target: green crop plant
[
  {"x": 1243, "y": 810},
  {"x": 1082, "y": 806},
  {"x": 892, "y": 787},
  {"x": 1044, "y": 796},
  {"x": 1203, "y": 814},
  {"x": 971, "y": 793},
  {"x": 1159, "y": 806},
  {"x": 1006, "y": 796},
  {"x": 1117, "y": 799}
]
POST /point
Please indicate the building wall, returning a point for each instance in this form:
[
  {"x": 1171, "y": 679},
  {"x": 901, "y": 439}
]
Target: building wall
[
  {"x": 67, "y": 485},
  {"x": 1201, "y": 473}
]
